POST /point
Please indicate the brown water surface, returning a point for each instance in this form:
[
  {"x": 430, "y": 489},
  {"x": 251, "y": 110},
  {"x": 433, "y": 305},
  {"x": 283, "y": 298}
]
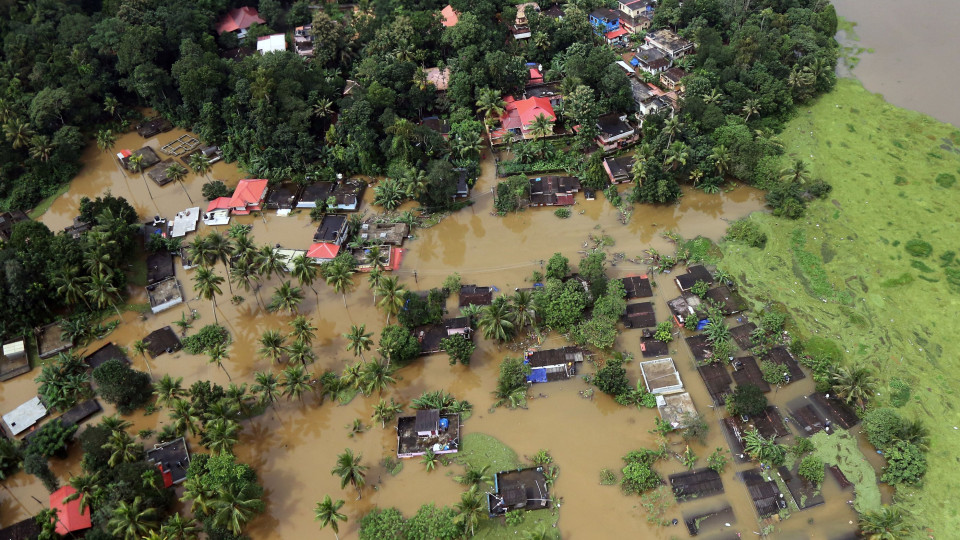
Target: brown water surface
[{"x": 294, "y": 446}]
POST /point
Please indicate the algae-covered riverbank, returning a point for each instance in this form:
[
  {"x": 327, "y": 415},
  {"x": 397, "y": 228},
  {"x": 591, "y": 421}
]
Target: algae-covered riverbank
[{"x": 846, "y": 274}]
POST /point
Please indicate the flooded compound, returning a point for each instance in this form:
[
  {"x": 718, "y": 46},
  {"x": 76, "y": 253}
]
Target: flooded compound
[
  {"x": 904, "y": 46},
  {"x": 294, "y": 445}
]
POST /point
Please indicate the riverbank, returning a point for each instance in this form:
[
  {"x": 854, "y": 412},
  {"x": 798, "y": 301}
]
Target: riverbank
[{"x": 846, "y": 275}]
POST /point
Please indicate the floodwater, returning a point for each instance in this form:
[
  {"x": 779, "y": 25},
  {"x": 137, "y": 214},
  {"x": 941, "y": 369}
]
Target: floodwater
[
  {"x": 294, "y": 446},
  {"x": 914, "y": 50}
]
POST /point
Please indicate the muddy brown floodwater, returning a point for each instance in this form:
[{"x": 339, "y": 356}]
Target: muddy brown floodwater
[
  {"x": 914, "y": 48},
  {"x": 294, "y": 446}
]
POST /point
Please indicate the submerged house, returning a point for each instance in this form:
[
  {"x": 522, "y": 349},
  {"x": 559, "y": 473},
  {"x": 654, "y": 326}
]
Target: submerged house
[
  {"x": 344, "y": 196},
  {"x": 430, "y": 336},
  {"x": 248, "y": 196},
  {"x": 25, "y": 416},
  {"x": 519, "y": 115},
  {"x": 661, "y": 376},
  {"x": 282, "y": 197},
  {"x": 614, "y": 131},
  {"x": 171, "y": 459},
  {"x": 552, "y": 364},
  {"x": 694, "y": 274},
  {"x": 428, "y": 430},
  {"x": 71, "y": 516},
  {"x": 239, "y": 20},
  {"x": 619, "y": 169},
  {"x": 553, "y": 190},
  {"x": 521, "y": 489},
  {"x": 164, "y": 294},
  {"x": 14, "y": 360},
  {"x": 384, "y": 233},
  {"x": 332, "y": 229}
]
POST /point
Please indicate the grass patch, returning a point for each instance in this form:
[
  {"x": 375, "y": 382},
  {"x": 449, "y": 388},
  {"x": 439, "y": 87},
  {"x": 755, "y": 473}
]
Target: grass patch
[
  {"x": 841, "y": 449},
  {"x": 895, "y": 333},
  {"x": 45, "y": 204}
]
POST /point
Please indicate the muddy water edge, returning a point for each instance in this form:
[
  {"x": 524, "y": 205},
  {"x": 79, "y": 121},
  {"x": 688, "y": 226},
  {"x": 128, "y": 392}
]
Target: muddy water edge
[{"x": 294, "y": 446}]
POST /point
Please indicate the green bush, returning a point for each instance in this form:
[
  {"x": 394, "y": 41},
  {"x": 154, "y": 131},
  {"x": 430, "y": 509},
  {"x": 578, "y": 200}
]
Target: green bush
[
  {"x": 664, "y": 332},
  {"x": 206, "y": 339},
  {"x": 918, "y": 248},
  {"x": 946, "y": 180},
  {"x": 638, "y": 477},
  {"x": 882, "y": 426},
  {"x": 773, "y": 372},
  {"x": 214, "y": 189},
  {"x": 458, "y": 348},
  {"x": 811, "y": 468},
  {"x": 52, "y": 439},
  {"x": 612, "y": 378},
  {"x": 906, "y": 464},
  {"x": 747, "y": 232},
  {"x": 746, "y": 399},
  {"x": 562, "y": 213},
  {"x": 899, "y": 392},
  {"x": 122, "y": 385}
]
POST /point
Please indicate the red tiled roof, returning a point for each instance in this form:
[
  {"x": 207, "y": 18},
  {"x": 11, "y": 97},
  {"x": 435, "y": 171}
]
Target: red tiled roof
[
  {"x": 449, "y": 17},
  {"x": 239, "y": 19},
  {"x": 248, "y": 192},
  {"x": 220, "y": 203},
  {"x": 527, "y": 109},
  {"x": 323, "y": 250},
  {"x": 69, "y": 517},
  {"x": 535, "y": 74},
  {"x": 617, "y": 33}
]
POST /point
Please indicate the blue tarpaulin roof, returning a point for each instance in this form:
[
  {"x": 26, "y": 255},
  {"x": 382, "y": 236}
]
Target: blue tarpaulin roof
[
  {"x": 537, "y": 375},
  {"x": 702, "y": 324}
]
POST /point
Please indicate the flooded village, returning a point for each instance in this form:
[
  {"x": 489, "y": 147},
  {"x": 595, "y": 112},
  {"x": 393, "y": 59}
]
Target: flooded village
[{"x": 324, "y": 288}]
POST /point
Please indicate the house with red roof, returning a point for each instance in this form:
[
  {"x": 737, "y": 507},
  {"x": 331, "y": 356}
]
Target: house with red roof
[
  {"x": 519, "y": 114},
  {"x": 449, "y": 17},
  {"x": 239, "y": 20},
  {"x": 323, "y": 252},
  {"x": 248, "y": 197},
  {"x": 69, "y": 517}
]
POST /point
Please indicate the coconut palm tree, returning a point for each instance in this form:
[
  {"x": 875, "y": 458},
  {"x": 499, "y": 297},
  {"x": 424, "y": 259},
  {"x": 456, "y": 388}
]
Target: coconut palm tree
[
  {"x": 41, "y": 147},
  {"x": 322, "y": 108},
  {"x": 131, "y": 521},
  {"x": 238, "y": 396},
  {"x": 388, "y": 194},
  {"x": 272, "y": 345},
  {"x": 469, "y": 510},
  {"x": 244, "y": 274},
  {"x": 269, "y": 262},
  {"x": 721, "y": 159},
  {"x": 350, "y": 471},
  {"x": 374, "y": 280},
  {"x": 200, "y": 164},
  {"x": 490, "y": 104},
  {"x": 102, "y": 291},
  {"x": 359, "y": 340},
  {"x": 750, "y": 108},
  {"x": 267, "y": 387},
  {"x": 135, "y": 163},
  {"x": 306, "y": 271},
  {"x": 340, "y": 277},
  {"x": 168, "y": 390},
  {"x": 799, "y": 173},
  {"x": 177, "y": 173},
  {"x": 220, "y": 435},
  {"x": 221, "y": 249},
  {"x": 302, "y": 330},
  {"x": 295, "y": 381},
  {"x": 384, "y": 412},
  {"x": 185, "y": 418},
  {"x": 87, "y": 488},
  {"x": 208, "y": 285},
  {"x": 122, "y": 447},
  {"x": 70, "y": 285},
  {"x": 475, "y": 476},
  {"x": 300, "y": 352},
  {"x": 199, "y": 252},
  {"x": 234, "y": 506},
  {"x": 887, "y": 523},
  {"x": 675, "y": 156},
  {"x": 105, "y": 139},
  {"x": 286, "y": 298},
  {"x": 468, "y": 145},
  {"x": 377, "y": 375},
  {"x": 218, "y": 353},
  {"x": 178, "y": 528},
  {"x": 495, "y": 320},
  {"x": 854, "y": 384},
  {"x": 141, "y": 349},
  {"x": 352, "y": 376},
  {"x": 541, "y": 126},
  {"x": 18, "y": 133},
  {"x": 201, "y": 497},
  {"x": 328, "y": 513},
  {"x": 393, "y": 296},
  {"x": 523, "y": 311},
  {"x": 672, "y": 126}
]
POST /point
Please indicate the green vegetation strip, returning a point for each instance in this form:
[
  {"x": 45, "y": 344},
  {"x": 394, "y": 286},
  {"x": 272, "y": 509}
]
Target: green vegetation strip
[{"x": 841, "y": 449}]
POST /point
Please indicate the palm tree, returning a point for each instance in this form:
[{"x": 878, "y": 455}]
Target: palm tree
[
  {"x": 185, "y": 418},
  {"x": 70, "y": 285},
  {"x": 799, "y": 173},
  {"x": 200, "y": 253},
  {"x": 168, "y": 390},
  {"x": 352, "y": 376},
  {"x": 490, "y": 104},
  {"x": 238, "y": 396},
  {"x": 200, "y": 164},
  {"x": 540, "y": 533},
  {"x": 123, "y": 449},
  {"x": 675, "y": 155},
  {"x": 377, "y": 376},
  {"x": 524, "y": 312},
  {"x": 201, "y": 497},
  {"x": 475, "y": 476},
  {"x": 18, "y": 133},
  {"x": 177, "y": 173},
  {"x": 267, "y": 387},
  {"x": 541, "y": 126},
  {"x": 415, "y": 183},
  {"x": 429, "y": 459},
  {"x": 306, "y": 271},
  {"x": 300, "y": 352},
  {"x": 130, "y": 522},
  {"x": 295, "y": 382},
  {"x": 286, "y": 298},
  {"x": 468, "y": 145},
  {"x": 271, "y": 345},
  {"x": 322, "y": 108},
  {"x": 713, "y": 98},
  {"x": 87, "y": 488},
  {"x": 268, "y": 262},
  {"x": 141, "y": 349},
  {"x": 135, "y": 162},
  {"x": 495, "y": 320},
  {"x": 208, "y": 285},
  {"x": 384, "y": 412},
  {"x": 388, "y": 194},
  {"x": 40, "y": 147},
  {"x": 234, "y": 506},
  {"x": 102, "y": 291},
  {"x": 327, "y": 513},
  {"x": 350, "y": 471},
  {"x": 854, "y": 385},
  {"x": 220, "y": 435},
  {"x": 884, "y": 524},
  {"x": 359, "y": 340},
  {"x": 303, "y": 331},
  {"x": 374, "y": 280},
  {"x": 750, "y": 108},
  {"x": 105, "y": 139},
  {"x": 721, "y": 159},
  {"x": 218, "y": 353},
  {"x": 469, "y": 510},
  {"x": 244, "y": 274},
  {"x": 393, "y": 296},
  {"x": 177, "y": 528},
  {"x": 672, "y": 127},
  {"x": 340, "y": 277},
  {"x": 221, "y": 249}
]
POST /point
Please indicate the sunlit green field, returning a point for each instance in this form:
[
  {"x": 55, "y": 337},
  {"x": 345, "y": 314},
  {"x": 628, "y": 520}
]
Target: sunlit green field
[{"x": 845, "y": 272}]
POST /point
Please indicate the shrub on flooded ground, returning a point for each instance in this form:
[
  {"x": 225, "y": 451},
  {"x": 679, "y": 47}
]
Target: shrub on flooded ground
[
  {"x": 122, "y": 385},
  {"x": 638, "y": 474},
  {"x": 747, "y": 232},
  {"x": 206, "y": 339}
]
